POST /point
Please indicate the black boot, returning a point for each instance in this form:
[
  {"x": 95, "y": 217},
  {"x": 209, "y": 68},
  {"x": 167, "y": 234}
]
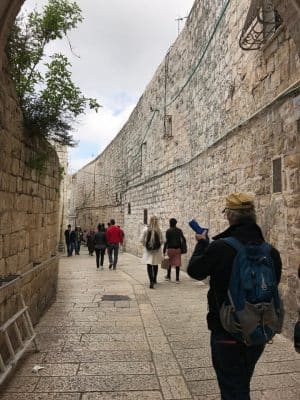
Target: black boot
[
  {"x": 150, "y": 274},
  {"x": 155, "y": 271}
]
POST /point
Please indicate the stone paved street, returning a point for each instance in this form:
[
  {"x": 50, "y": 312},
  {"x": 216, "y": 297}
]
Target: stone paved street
[{"x": 147, "y": 344}]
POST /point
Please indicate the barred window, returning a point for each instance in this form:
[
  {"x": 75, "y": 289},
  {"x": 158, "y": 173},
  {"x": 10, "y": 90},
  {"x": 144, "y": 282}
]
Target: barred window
[{"x": 262, "y": 21}]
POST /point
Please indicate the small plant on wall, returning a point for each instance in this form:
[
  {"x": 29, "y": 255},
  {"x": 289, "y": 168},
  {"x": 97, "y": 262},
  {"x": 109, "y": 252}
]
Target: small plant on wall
[
  {"x": 50, "y": 101},
  {"x": 38, "y": 162}
]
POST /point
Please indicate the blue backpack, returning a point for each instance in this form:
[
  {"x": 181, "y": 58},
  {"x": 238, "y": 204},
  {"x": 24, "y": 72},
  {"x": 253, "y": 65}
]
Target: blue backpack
[{"x": 252, "y": 311}]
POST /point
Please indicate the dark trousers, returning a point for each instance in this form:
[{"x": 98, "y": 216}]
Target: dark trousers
[
  {"x": 72, "y": 247},
  {"x": 69, "y": 248},
  {"x": 77, "y": 247},
  {"x": 234, "y": 365},
  {"x": 99, "y": 256},
  {"x": 177, "y": 273},
  {"x": 113, "y": 252},
  {"x": 152, "y": 272}
]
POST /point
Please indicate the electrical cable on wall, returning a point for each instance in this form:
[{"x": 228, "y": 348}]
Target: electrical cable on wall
[{"x": 221, "y": 16}]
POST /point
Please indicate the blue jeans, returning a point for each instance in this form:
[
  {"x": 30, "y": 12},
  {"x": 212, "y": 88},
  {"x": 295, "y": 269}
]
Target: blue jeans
[
  {"x": 69, "y": 248},
  {"x": 72, "y": 247},
  {"x": 77, "y": 247},
  {"x": 113, "y": 251},
  {"x": 234, "y": 364}
]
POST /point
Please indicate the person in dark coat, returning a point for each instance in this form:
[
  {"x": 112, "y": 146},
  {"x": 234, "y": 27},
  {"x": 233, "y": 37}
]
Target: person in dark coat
[
  {"x": 173, "y": 244},
  {"x": 100, "y": 245},
  {"x": 72, "y": 237},
  {"x": 234, "y": 362},
  {"x": 90, "y": 242},
  {"x": 68, "y": 241}
]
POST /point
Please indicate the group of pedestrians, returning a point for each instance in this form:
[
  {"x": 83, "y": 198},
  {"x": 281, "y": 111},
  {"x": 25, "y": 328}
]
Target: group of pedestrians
[
  {"x": 174, "y": 244},
  {"x": 110, "y": 238},
  {"x": 244, "y": 307},
  {"x": 73, "y": 239}
]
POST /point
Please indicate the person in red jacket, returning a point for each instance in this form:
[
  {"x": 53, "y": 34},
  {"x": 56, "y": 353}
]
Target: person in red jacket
[{"x": 113, "y": 238}]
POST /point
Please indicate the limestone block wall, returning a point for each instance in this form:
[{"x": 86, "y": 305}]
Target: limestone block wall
[
  {"x": 214, "y": 119},
  {"x": 29, "y": 204},
  {"x": 62, "y": 153},
  {"x": 96, "y": 190}
]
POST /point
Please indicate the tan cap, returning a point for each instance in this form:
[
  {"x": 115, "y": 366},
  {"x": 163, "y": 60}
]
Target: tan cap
[{"x": 236, "y": 201}]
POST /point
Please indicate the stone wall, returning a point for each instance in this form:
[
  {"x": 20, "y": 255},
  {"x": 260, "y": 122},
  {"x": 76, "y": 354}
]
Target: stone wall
[
  {"x": 235, "y": 127},
  {"x": 29, "y": 203},
  {"x": 290, "y": 12}
]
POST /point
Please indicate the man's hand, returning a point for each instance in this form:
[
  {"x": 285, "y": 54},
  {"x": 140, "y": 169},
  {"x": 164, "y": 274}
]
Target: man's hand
[{"x": 201, "y": 236}]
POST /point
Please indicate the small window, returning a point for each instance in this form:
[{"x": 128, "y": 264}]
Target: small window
[
  {"x": 146, "y": 217},
  {"x": 277, "y": 179},
  {"x": 168, "y": 126},
  {"x": 129, "y": 208}
]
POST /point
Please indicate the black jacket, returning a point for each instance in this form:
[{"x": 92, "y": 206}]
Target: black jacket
[
  {"x": 215, "y": 261},
  {"x": 174, "y": 239},
  {"x": 100, "y": 240}
]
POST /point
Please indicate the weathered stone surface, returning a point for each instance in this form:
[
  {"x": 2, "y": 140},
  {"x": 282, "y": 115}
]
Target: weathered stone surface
[
  {"x": 116, "y": 368},
  {"x": 123, "y": 396},
  {"x": 41, "y": 396},
  {"x": 90, "y": 383},
  {"x": 25, "y": 239},
  {"x": 74, "y": 366},
  {"x": 174, "y": 387}
]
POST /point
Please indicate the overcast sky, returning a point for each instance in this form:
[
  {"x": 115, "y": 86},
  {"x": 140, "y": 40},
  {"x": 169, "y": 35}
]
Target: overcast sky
[{"x": 120, "y": 44}]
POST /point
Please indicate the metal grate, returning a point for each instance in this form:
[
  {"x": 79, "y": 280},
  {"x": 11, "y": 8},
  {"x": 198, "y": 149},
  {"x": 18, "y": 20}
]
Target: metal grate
[
  {"x": 115, "y": 297},
  {"x": 261, "y": 23}
]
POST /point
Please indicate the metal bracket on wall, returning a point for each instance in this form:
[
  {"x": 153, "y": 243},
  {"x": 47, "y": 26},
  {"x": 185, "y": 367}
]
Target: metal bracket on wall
[{"x": 17, "y": 335}]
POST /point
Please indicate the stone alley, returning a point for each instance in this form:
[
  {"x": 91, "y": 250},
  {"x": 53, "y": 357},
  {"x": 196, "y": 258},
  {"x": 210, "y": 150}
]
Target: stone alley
[{"x": 108, "y": 336}]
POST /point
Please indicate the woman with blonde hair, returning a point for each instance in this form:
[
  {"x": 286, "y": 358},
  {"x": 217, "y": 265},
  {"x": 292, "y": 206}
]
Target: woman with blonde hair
[{"x": 152, "y": 240}]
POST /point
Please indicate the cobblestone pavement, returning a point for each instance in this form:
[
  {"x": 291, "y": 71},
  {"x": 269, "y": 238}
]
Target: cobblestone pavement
[{"x": 134, "y": 344}]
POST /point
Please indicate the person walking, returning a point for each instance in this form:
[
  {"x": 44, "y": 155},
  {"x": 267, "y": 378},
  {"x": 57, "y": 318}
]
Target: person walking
[
  {"x": 175, "y": 240},
  {"x": 152, "y": 239},
  {"x": 90, "y": 242},
  {"x": 233, "y": 360},
  {"x": 68, "y": 241},
  {"x": 72, "y": 241},
  {"x": 113, "y": 238},
  {"x": 77, "y": 240},
  {"x": 100, "y": 245}
]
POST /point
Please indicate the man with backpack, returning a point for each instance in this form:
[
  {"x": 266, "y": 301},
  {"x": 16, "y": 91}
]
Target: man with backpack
[{"x": 244, "y": 305}]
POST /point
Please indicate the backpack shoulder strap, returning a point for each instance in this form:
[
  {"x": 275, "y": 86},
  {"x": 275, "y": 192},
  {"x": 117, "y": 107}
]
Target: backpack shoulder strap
[
  {"x": 233, "y": 242},
  {"x": 237, "y": 245}
]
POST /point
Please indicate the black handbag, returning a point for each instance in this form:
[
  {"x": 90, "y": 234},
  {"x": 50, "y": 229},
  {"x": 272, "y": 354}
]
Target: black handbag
[{"x": 183, "y": 246}]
